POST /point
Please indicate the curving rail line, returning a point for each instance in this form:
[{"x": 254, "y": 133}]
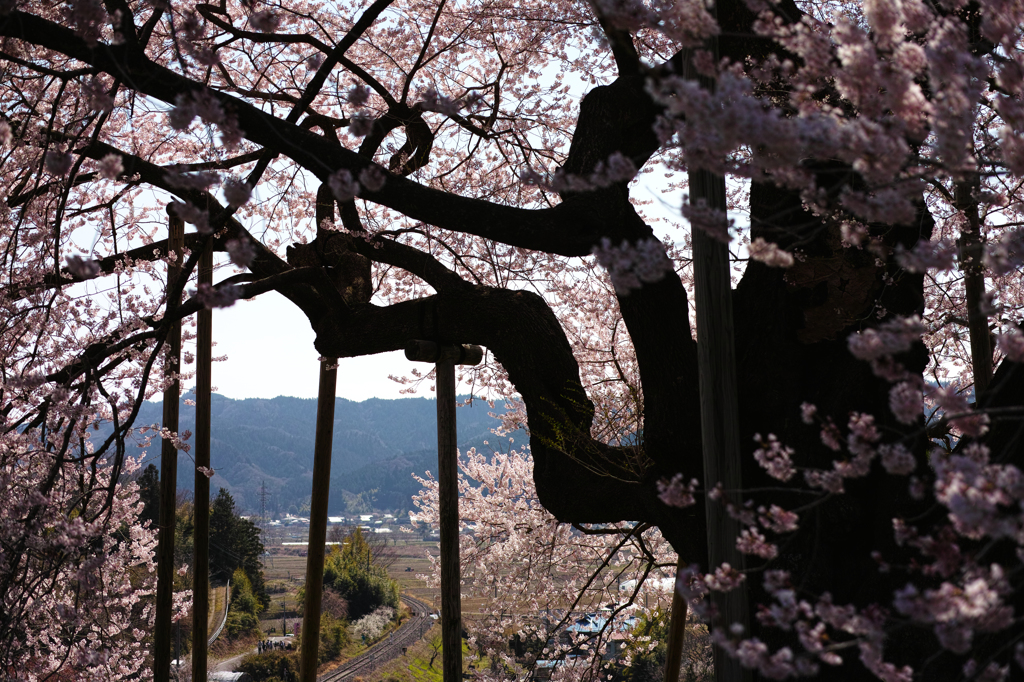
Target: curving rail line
[
  {"x": 387, "y": 648},
  {"x": 224, "y": 620}
]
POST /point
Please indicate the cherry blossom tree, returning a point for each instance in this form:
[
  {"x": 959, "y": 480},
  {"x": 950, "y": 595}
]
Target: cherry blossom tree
[
  {"x": 535, "y": 576},
  {"x": 439, "y": 174}
]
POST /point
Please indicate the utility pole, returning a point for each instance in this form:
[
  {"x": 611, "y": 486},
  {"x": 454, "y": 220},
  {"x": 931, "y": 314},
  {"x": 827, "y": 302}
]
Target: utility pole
[
  {"x": 263, "y": 510},
  {"x": 168, "y": 465},
  {"x": 445, "y": 358},
  {"x": 263, "y": 520}
]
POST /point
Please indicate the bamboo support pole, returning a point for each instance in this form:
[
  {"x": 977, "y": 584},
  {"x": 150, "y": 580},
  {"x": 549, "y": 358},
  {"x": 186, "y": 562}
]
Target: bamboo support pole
[
  {"x": 201, "y": 538},
  {"x": 445, "y": 359},
  {"x": 168, "y": 474},
  {"x": 308, "y": 661}
]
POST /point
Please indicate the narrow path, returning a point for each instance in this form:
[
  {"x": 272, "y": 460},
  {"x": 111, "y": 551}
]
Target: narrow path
[{"x": 228, "y": 665}]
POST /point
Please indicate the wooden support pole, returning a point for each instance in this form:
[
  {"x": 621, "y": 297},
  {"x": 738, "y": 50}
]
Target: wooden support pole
[
  {"x": 445, "y": 358},
  {"x": 168, "y": 474},
  {"x": 719, "y": 402},
  {"x": 719, "y": 411},
  {"x": 309, "y": 656},
  {"x": 676, "y": 631},
  {"x": 448, "y": 507},
  {"x": 201, "y": 538}
]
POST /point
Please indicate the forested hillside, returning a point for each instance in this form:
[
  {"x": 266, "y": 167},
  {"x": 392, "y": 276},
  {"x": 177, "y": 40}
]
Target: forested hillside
[{"x": 377, "y": 445}]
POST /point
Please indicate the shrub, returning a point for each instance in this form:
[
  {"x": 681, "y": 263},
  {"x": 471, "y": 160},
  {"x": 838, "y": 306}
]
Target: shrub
[
  {"x": 371, "y": 625},
  {"x": 271, "y": 666}
]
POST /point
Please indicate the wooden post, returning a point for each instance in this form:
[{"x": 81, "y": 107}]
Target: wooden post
[
  {"x": 168, "y": 473},
  {"x": 676, "y": 631},
  {"x": 445, "y": 359},
  {"x": 201, "y": 538},
  {"x": 719, "y": 409},
  {"x": 448, "y": 508},
  {"x": 719, "y": 403},
  {"x": 308, "y": 661}
]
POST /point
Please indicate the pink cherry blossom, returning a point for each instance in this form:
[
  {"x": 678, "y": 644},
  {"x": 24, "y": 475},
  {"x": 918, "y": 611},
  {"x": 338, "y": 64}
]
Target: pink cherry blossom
[
  {"x": 770, "y": 254},
  {"x": 675, "y": 493},
  {"x": 111, "y": 167}
]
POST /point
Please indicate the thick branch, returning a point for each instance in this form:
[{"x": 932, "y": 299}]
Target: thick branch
[
  {"x": 570, "y": 229},
  {"x": 536, "y": 354}
]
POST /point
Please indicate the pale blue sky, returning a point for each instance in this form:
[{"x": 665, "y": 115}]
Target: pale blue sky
[{"x": 269, "y": 345}]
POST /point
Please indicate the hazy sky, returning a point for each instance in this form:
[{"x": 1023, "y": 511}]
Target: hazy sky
[
  {"x": 269, "y": 343},
  {"x": 269, "y": 346}
]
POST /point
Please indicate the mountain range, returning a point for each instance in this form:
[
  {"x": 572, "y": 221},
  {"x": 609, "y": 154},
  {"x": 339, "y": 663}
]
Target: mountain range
[{"x": 377, "y": 446}]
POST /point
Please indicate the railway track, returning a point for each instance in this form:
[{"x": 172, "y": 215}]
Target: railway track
[{"x": 387, "y": 649}]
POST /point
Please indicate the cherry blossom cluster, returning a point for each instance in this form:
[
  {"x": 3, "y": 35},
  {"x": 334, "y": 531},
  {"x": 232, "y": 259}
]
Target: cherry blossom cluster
[
  {"x": 927, "y": 255},
  {"x": 676, "y": 493},
  {"x": 345, "y": 187},
  {"x": 1011, "y": 344},
  {"x": 685, "y": 23},
  {"x": 236, "y": 192},
  {"x": 1005, "y": 254},
  {"x": 878, "y": 345},
  {"x": 216, "y": 296},
  {"x": 432, "y": 100},
  {"x": 82, "y": 268},
  {"x": 372, "y": 624},
  {"x": 770, "y": 254},
  {"x": 711, "y": 221},
  {"x": 774, "y": 457},
  {"x": 906, "y": 71},
  {"x": 613, "y": 170},
  {"x": 631, "y": 265},
  {"x": 193, "y": 215},
  {"x": 85, "y": 573},
  {"x": 957, "y": 411},
  {"x": 811, "y": 622},
  {"x": 498, "y": 502},
  {"x": 241, "y": 251},
  {"x": 207, "y": 107}
]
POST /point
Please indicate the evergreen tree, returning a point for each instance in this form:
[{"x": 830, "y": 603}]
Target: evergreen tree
[
  {"x": 235, "y": 543},
  {"x": 245, "y": 606},
  {"x": 149, "y": 494},
  {"x": 223, "y": 560}
]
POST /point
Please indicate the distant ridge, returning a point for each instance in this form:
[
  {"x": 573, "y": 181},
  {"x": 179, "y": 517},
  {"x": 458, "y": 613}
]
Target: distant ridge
[{"x": 378, "y": 444}]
